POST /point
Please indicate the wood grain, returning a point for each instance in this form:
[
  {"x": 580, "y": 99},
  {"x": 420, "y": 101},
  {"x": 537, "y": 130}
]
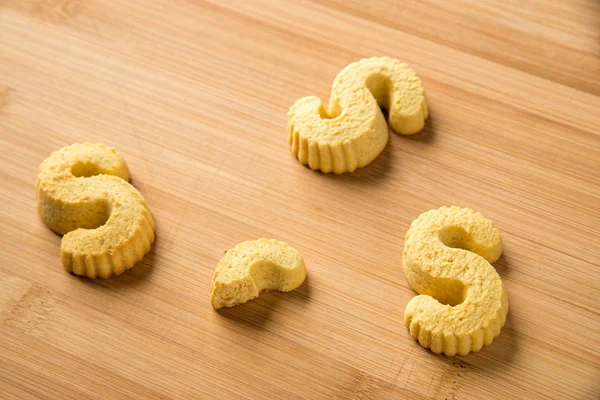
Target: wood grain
[{"x": 194, "y": 94}]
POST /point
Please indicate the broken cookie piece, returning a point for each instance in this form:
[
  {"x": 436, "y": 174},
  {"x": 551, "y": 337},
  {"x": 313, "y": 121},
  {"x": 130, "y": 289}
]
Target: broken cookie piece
[{"x": 255, "y": 266}]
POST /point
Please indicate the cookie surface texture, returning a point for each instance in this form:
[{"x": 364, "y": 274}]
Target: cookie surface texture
[
  {"x": 462, "y": 302},
  {"x": 254, "y": 266},
  {"x": 352, "y": 131},
  {"x": 83, "y": 193}
]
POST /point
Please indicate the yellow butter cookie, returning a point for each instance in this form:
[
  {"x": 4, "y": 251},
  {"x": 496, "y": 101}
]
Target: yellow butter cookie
[
  {"x": 254, "y": 266},
  {"x": 462, "y": 303},
  {"x": 352, "y": 131},
  {"x": 83, "y": 193}
]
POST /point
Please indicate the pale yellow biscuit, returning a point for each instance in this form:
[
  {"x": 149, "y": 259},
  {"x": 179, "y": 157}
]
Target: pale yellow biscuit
[
  {"x": 352, "y": 132},
  {"x": 462, "y": 303},
  {"x": 83, "y": 194},
  {"x": 252, "y": 267}
]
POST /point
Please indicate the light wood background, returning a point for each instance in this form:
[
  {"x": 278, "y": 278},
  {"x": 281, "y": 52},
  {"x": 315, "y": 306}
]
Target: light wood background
[{"x": 194, "y": 94}]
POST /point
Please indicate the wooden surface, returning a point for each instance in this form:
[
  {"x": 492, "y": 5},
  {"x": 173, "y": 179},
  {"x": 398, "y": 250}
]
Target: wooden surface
[{"x": 194, "y": 94}]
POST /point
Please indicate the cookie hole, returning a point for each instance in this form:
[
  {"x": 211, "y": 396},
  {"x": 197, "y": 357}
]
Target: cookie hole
[
  {"x": 83, "y": 169},
  {"x": 451, "y": 293},
  {"x": 266, "y": 274},
  {"x": 90, "y": 214},
  {"x": 324, "y": 114},
  {"x": 456, "y": 237},
  {"x": 380, "y": 87}
]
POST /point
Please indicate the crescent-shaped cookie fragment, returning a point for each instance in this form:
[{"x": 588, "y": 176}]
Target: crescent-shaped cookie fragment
[{"x": 255, "y": 266}]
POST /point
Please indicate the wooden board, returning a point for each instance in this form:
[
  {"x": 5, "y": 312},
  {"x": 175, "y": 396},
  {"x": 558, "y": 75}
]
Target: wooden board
[{"x": 194, "y": 94}]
